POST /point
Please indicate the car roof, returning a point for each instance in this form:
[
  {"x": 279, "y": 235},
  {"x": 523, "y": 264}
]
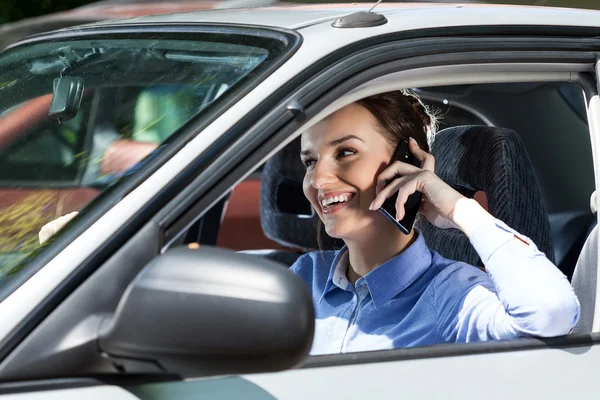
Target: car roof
[{"x": 413, "y": 15}]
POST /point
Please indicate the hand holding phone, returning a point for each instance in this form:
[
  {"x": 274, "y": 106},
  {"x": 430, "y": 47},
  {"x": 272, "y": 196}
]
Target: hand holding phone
[{"x": 411, "y": 207}]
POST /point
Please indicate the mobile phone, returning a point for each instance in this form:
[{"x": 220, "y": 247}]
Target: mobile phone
[{"x": 411, "y": 207}]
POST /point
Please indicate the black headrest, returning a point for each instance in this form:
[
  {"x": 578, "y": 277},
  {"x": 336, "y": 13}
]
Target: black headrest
[
  {"x": 492, "y": 160},
  {"x": 469, "y": 158},
  {"x": 286, "y": 215}
]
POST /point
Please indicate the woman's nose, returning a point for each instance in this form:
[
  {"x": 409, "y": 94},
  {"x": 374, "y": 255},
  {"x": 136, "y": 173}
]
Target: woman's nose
[{"x": 324, "y": 175}]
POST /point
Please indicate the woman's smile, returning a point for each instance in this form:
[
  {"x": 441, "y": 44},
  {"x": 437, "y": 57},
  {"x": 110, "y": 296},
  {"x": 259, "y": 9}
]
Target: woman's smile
[{"x": 332, "y": 202}]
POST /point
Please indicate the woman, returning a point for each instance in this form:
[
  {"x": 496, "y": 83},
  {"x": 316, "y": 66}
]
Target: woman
[{"x": 384, "y": 289}]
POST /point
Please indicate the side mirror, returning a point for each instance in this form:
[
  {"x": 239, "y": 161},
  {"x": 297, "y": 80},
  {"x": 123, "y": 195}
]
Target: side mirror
[{"x": 210, "y": 312}]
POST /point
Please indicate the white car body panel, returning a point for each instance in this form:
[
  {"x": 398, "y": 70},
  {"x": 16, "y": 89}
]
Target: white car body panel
[
  {"x": 565, "y": 373},
  {"x": 594, "y": 122}
]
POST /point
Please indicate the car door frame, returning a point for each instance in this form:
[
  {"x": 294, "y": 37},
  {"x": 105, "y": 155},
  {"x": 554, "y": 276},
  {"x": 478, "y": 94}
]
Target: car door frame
[{"x": 593, "y": 109}]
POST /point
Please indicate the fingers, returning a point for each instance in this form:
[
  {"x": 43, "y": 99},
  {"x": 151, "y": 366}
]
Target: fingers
[
  {"x": 405, "y": 186},
  {"x": 427, "y": 160},
  {"x": 405, "y": 191},
  {"x": 399, "y": 168},
  {"x": 387, "y": 192},
  {"x": 396, "y": 169}
]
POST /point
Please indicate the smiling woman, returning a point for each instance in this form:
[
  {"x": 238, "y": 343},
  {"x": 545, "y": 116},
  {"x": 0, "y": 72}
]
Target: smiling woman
[{"x": 385, "y": 289}]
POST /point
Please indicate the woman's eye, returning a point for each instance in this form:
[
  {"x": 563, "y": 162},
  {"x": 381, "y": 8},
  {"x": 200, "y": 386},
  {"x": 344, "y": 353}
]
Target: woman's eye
[
  {"x": 308, "y": 162},
  {"x": 346, "y": 152}
]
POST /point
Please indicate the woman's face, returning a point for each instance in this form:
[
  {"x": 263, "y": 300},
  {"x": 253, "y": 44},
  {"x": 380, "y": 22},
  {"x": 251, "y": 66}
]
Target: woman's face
[{"x": 343, "y": 155}]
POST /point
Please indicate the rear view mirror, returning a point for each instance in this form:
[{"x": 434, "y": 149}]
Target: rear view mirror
[
  {"x": 66, "y": 98},
  {"x": 210, "y": 312}
]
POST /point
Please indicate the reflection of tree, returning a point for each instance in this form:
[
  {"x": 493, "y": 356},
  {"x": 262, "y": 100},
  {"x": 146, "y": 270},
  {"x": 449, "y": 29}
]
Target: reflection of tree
[
  {"x": 21, "y": 222},
  {"x": 19, "y": 227}
]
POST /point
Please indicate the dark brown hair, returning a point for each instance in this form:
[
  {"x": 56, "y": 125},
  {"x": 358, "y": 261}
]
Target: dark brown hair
[{"x": 399, "y": 115}]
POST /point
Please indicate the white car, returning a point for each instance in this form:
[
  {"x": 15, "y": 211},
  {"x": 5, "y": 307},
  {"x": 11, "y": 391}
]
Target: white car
[{"x": 173, "y": 136}]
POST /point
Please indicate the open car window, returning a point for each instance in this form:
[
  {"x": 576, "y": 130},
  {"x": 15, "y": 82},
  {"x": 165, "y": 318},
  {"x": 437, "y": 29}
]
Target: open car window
[
  {"x": 137, "y": 92},
  {"x": 267, "y": 215}
]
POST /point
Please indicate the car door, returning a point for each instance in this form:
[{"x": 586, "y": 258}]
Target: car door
[
  {"x": 526, "y": 363},
  {"x": 199, "y": 172}
]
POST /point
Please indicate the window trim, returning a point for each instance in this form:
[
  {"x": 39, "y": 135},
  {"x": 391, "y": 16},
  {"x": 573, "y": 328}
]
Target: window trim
[{"x": 449, "y": 350}]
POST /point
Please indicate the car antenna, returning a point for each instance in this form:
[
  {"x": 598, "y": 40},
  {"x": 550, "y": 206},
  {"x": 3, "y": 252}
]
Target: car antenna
[
  {"x": 361, "y": 19},
  {"x": 375, "y": 5}
]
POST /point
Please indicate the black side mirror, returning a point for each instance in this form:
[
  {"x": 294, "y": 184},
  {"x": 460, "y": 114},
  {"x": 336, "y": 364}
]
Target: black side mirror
[
  {"x": 66, "y": 98},
  {"x": 210, "y": 311}
]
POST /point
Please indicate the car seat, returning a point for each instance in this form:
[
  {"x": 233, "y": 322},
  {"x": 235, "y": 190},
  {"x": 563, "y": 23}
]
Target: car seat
[
  {"x": 240, "y": 228},
  {"x": 286, "y": 216},
  {"x": 492, "y": 160},
  {"x": 584, "y": 282},
  {"x": 570, "y": 229},
  {"x": 471, "y": 159}
]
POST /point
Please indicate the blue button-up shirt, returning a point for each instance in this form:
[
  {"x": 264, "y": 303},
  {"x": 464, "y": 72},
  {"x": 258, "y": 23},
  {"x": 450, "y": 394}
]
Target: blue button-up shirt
[{"x": 420, "y": 298}]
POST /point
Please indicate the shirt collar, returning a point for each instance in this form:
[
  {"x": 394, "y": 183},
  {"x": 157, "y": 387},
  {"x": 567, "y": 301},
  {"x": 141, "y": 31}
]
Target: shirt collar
[
  {"x": 337, "y": 272},
  {"x": 390, "y": 278}
]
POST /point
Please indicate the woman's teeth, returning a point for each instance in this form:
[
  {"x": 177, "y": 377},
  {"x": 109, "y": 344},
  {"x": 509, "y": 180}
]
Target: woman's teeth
[{"x": 335, "y": 199}]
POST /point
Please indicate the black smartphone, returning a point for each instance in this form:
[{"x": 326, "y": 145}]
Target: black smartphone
[{"x": 411, "y": 208}]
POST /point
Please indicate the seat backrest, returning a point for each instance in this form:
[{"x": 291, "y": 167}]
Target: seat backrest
[
  {"x": 570, "y": 229},
  {"x": 240, "y": 227},
  {"x": 492, "y": 160},
  {"x": 286, "y": 215},
  {"x": 584, "y": 282}
]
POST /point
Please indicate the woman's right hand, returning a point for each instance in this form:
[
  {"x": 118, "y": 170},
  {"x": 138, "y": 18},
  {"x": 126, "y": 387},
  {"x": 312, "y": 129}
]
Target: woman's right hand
[
  {"x": 443, "y": 206},
  {"x": 439, "y": 199},
  {"x": 52, "y": 227}
]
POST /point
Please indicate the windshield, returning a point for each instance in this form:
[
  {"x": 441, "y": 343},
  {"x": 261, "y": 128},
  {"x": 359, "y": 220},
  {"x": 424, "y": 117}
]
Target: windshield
[{"x": 76, "y": 115}]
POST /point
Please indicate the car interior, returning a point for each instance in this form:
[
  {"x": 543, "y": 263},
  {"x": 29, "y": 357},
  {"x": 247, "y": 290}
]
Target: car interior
[{"x": 521, "y": 150}]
